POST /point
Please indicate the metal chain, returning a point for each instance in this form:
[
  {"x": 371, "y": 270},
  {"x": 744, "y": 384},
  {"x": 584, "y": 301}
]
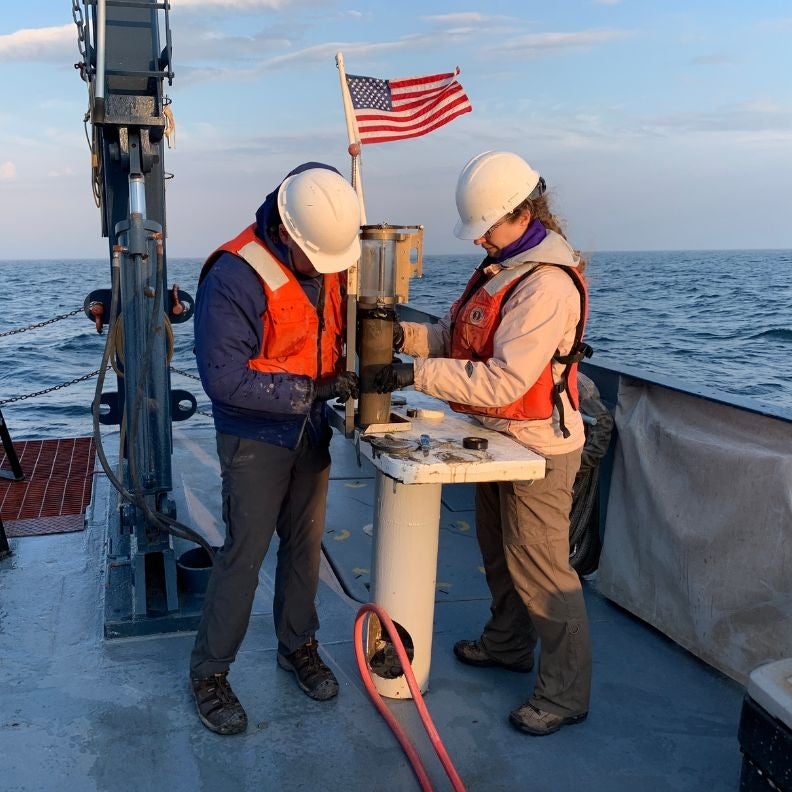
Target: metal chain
[
  {"x": 41, "y": 324},
  {"x": 87, "y": 377},
  {"x": 185, "y": 373},
  {"x": 84, "y": 376},
  {"x": 192, "y": 376},
  {"x": 77, "y": 14},
  {"x": 49, "y": 390}
]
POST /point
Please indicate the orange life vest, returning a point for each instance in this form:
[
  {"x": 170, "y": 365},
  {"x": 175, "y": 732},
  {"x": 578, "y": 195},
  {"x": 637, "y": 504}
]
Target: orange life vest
[
  {"x": 295, "y": 340},
  {"x": 475, "y": 318}
]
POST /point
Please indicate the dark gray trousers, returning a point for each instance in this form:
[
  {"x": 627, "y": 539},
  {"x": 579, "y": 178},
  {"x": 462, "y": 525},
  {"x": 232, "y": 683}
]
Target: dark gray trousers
[
  {"x": 265, "y": 488},
  {"x": 523, "y": 532}
]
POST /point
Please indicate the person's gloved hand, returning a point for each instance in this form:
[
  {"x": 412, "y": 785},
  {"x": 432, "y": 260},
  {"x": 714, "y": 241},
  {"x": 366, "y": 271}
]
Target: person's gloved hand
[
  {"x": 398, "y": 336},
  {"x": 342, "y": 386},
  {"x": 392, "y": 377}
]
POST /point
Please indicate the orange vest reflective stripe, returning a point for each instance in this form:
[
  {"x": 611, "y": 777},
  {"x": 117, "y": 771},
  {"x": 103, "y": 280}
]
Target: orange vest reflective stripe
[
  {"x": 475, "y": 318},
  {"x": 295, "y": 342}
]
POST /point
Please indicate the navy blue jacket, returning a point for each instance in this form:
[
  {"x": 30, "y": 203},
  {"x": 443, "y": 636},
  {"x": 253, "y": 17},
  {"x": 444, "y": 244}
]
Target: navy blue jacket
[{"x": 229, "y": 304}]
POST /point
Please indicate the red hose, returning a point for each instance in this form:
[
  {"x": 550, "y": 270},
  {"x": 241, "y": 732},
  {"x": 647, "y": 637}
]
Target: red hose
[{"x": 401, "y": 736}]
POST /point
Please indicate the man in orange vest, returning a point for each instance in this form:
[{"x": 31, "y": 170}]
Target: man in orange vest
[
  {"x": 507, "y": 353},
  {"x": 269, "y": 333}
]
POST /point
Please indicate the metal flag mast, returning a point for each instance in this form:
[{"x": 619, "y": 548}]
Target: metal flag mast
[
  {"x": 352, "y": 272},
  {"x": 374, "y": 286}
]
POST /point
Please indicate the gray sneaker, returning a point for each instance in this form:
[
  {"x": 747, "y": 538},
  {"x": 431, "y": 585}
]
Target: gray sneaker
[
  {"x": 473, "y": 653},
  {"x": 218, "y": 707},
  {"x": 313, "y": 676},
  {"x": 538, "y": 722}
]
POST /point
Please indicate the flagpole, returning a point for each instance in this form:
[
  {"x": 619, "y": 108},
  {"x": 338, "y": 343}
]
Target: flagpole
[
  {"x": 352, "y": 272},
  {"x": 352, "y": 134}
]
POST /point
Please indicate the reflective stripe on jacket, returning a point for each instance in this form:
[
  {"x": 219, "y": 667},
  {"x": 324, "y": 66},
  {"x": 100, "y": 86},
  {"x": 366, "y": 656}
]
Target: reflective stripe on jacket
[
  {"x": 475, "y": 318},
  {"x": 295, "y": 341}
]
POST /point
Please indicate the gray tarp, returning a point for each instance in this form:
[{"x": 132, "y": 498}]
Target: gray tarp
[{"x": 698, "y": 539}]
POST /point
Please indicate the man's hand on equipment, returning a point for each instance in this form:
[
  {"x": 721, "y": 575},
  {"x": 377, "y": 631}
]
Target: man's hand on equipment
[
  {"x": 343, "y": 386},
  {"x": 393, "y": 377}
]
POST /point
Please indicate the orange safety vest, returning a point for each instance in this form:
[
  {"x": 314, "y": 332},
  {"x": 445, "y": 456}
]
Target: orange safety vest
[
  {"x": 295, "y": 340},
  {"x": 475, "y": 317}
]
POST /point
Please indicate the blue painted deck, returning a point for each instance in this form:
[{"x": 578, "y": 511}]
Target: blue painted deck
[{"x": 80, "y": 713}]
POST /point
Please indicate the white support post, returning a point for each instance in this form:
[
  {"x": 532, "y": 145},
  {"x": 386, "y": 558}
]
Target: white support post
[
  {"x": 404, "y": 570},
  {"x": 432, "y": 452}
]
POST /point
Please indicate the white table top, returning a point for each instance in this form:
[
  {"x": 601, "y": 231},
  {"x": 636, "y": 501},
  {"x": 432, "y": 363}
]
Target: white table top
[{"x": 446, "y": 461}]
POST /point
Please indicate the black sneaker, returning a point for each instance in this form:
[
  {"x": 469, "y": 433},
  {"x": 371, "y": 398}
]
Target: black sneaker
[
  {"x": 218, "y": 707},
  {"x": 473, "y": 653},
  {"x": 313, "y": 676}
]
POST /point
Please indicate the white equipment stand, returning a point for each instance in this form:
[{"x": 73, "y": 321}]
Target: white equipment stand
[{"x": 407, "y": 513}]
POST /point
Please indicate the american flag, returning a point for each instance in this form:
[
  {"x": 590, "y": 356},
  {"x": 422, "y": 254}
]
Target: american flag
[{"x": 387, "y": 110}]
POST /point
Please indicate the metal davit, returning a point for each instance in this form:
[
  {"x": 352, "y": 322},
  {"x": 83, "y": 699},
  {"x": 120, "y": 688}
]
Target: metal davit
[{"x": 124, "y": 66}]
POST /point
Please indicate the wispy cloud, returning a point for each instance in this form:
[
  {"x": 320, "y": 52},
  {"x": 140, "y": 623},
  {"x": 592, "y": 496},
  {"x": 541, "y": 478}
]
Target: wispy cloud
[
  {"x": 463, "y": 18},
  {"x": 539, "y": 44},
  {"x": 308, "y": 56},
  {"x": 8, "y": 171},
  {"x": 239, "y": 5},
  {"x": 61, "y": 172},
  {"x": 36, "y": 44},
  {"x": 779, "y": 25},
  {"x": 713, "y": 60},
  {"x": 754, "y": 116},
  {"x": 206, "y": 46}
]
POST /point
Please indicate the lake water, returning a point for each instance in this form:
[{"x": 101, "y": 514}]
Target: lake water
[{"x": 718, "y": 319}]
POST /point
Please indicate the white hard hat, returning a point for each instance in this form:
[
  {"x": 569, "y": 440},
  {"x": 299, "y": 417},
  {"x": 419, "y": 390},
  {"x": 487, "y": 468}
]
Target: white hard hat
[
  {"x": 321, "y": 212},
  {"x": 489, "y": 187}
]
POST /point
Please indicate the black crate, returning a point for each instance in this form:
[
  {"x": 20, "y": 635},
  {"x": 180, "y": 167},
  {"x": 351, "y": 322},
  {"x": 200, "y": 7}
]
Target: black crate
[{"x": 766, "y": 745}]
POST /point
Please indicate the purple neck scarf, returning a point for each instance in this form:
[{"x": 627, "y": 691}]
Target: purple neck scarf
[{"x": 531, "y": 237}]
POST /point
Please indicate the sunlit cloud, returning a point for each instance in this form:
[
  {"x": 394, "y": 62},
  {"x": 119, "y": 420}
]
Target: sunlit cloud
[
  {"x": 34, "y": 44},
  {"x": 537, "y": 44},
  {"x": 8, "y": 171},
  {"x": 60, "y": 173}
]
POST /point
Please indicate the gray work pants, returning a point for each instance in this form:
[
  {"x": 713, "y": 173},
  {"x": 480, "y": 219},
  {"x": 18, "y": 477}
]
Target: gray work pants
[
  {"x": 523, "y": 532},
  {"x": 266, "y": 488}
]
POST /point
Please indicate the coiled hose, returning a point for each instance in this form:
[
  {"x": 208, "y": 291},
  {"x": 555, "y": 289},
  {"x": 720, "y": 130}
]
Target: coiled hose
[{"x": 396, "y": 728}]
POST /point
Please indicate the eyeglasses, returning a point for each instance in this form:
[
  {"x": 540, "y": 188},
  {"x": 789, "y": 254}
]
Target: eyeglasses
[{"x": 488, "y": 232}]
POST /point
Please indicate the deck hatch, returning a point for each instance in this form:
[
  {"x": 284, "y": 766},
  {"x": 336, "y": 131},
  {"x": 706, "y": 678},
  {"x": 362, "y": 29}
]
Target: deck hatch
[{"x": 53, "y": 496}]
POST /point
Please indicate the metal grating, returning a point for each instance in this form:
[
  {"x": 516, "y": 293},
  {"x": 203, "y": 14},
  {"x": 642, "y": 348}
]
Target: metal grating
[{"x": 55, "y": 491}]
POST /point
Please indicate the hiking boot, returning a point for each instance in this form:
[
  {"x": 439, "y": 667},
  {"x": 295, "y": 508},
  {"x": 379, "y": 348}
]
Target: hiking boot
[
  {"x": 538, "y": 722},
  {"x": 473, "y": 653},
  {"x": 313, "y": 676},
  {"x": 218, "y": 707}
]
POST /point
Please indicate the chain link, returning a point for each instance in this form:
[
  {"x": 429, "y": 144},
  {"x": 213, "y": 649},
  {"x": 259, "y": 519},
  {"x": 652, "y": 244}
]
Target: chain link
[
  {"x": 84, "y": 376},
  {"x": 185, "y": 373},
  {"x": 49, "y": 390},
  {"x": 77, "y": 14},
  {"x": 87, "y": 377},
  {"x": 192, "y": 376},
  {"x": 41, "y": 324}
]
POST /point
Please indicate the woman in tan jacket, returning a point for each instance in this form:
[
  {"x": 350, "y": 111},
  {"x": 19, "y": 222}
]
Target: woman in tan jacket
[{"x": 507, "y": 353}]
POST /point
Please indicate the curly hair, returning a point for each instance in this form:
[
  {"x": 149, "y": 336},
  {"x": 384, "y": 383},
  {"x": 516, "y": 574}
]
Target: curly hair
[{"x": 539, "y": 207}]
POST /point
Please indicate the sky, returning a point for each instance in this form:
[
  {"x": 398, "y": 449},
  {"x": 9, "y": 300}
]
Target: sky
[{"x": 660, "y": 125}]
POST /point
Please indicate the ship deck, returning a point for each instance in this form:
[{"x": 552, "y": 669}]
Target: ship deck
[{"x": 83, "y": 713}]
